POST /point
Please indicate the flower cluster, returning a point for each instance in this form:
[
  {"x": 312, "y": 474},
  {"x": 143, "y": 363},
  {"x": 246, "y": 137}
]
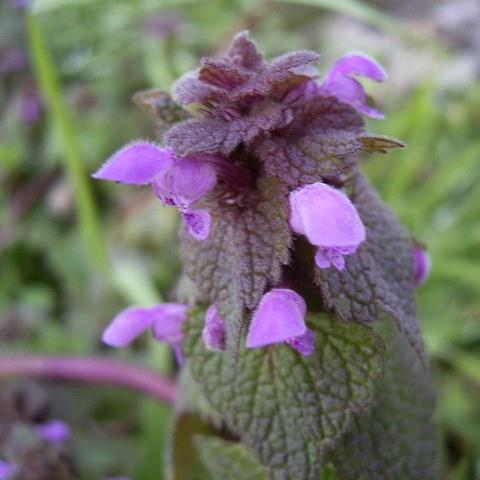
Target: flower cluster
[{"x": 252, "y": 119}]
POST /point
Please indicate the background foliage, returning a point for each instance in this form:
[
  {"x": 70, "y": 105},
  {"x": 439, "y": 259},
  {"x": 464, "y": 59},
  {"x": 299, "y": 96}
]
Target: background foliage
[{"x": 73, "y": 252}]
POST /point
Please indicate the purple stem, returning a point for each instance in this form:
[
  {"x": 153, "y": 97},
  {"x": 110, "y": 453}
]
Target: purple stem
[{"x": 95, "y": 370}]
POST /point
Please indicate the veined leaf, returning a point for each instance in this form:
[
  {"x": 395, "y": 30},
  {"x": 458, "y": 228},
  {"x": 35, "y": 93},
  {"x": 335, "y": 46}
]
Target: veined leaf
[{"x": 289, "y": 409}]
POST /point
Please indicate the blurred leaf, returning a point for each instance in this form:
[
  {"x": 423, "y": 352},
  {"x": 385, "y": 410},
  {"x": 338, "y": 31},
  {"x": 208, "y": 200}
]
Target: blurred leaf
[
  {"x": 184, "y": 461},
  {"x": 229, "y": 459},
  {"x": 355, "y": 8}
]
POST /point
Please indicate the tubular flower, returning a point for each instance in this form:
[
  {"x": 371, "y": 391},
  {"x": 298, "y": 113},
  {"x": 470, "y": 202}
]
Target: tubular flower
[
  {"x": 328, "y": 219},
  {"x": 280, "y": 317},
  {"x": 179, "y": 182},
  {"x": 340, "y": 82},
  {"x": 165, "y": 320},
  {"x": 213, "y": 333}
]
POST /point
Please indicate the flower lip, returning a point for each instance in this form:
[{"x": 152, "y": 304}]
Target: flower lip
[
  {"x": 165, "y": 320},
  {"x": 137, "y": 163},
  {"x": 126, "y": 326},
  {"x": 329, "y": 220},
  {"x": 326, "y": 216},
  {"x": 278, "y": 317}
]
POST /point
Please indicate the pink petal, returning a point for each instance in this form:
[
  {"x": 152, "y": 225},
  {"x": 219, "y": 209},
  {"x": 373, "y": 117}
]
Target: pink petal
[
  {"x": 136, "y": 163},
  {"x": 279, "y": 317},
  {"x": 339, "y": 83},
  {"x": 7, "y": 470},
  {"x": 359, "y": 64},
  {"x": 213, "y": 333},
  {"x": 305, "y": 344},
  {"x": 168, "y": 319},
  {"x": 186, "y": 182},
  {"x": 127, "y": 326},
  {"x": 326, "y": 216},
  {"x": 422, "y": 266},
  {"x": 198, "y": 223}
]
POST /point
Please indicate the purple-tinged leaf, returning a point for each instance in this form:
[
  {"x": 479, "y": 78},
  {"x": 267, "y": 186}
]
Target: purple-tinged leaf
[
  {"x": 244, "y": 52},
  {"x": 242, "y": 256},
  {"x": 221, "y": 136},
  {"x": 321, "y": 142}
]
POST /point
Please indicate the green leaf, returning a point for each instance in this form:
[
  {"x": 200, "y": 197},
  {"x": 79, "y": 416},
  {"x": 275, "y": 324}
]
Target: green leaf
[
  {"x": 225, "y": 459},
  {"x": 380, "y": 143},
  {"x": 397, "y": 440},
  {"x": 378, "y": 278},
  {"x": 287, "y": 408},
  {"x": 243, "y": 255}
]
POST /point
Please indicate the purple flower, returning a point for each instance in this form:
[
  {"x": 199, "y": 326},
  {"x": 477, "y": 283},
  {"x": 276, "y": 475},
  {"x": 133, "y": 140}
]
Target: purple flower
[
  {"x": 165, "y": 320},
  {"x": 339, "y": 81},
  {"x": 329, "y": 220},
  {"x": 54, "y": 432},
  {"x": 177, "y": 181},
  {"x": 280, "y": 317},
  {"x": 421, "y": 265},
  {"x": 214, "y": 330},
  {"x": 7, "y": 470}
]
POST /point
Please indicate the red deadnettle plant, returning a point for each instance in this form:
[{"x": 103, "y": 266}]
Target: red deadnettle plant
[{"x": 295, "y": 321}]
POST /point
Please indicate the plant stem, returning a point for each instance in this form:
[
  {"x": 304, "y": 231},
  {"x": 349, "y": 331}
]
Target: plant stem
[
  {"x": 94, "y": 370},
  {"x": 49, "y": 83}
]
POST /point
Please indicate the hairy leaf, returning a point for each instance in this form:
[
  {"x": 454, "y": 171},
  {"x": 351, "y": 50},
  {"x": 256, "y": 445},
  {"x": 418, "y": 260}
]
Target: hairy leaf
[
  {"x": 243, "y": 255},
  {"x": 217, "y": 135},
  {"x": 322, "y": 141},
  {"x": 397, "y": 440},
  {"x": 242, "y": 74},
  {"x": 226, "y": 460},
  {"x": 287, "y": 408},
  {"x": 378, "y": 278}
]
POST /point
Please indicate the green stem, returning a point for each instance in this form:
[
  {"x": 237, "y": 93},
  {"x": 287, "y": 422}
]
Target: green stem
[{"x": 49, "y": 83}]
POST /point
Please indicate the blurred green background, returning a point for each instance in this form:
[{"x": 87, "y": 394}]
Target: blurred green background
[{"x": 74, "y": 252}]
